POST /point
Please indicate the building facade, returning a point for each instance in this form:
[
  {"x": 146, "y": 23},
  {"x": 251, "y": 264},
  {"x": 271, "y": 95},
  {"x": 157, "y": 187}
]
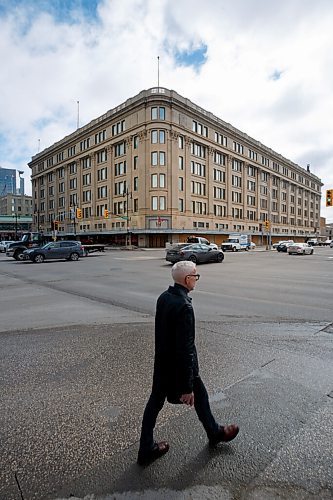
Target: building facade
[
  {"x": 159, "y": 167},
  {"x": 12, "y": 204}
]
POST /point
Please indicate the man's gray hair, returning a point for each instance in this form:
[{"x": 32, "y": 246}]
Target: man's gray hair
[{"x": 182, "y": 269}]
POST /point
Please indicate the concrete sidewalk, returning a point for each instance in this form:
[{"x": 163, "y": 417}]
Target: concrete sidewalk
[{"x": 72, "y": 400}]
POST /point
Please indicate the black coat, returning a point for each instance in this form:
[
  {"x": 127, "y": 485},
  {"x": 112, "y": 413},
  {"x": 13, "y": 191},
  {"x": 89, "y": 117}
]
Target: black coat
[{"x": 176, "y": 361}]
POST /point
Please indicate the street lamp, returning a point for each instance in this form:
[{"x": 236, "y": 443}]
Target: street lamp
[
  {"x": 36, "y": 212},
  {"x": 128, "y": 234},
  {"x": 72, "y": 213},
  {"x": 16, "y": 216},
  {"x": 269, "y": 233}
]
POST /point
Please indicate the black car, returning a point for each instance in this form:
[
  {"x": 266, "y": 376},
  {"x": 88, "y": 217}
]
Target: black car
[
  {"x": 283, "y": 247},
  {"x": 197, "y": 253}
]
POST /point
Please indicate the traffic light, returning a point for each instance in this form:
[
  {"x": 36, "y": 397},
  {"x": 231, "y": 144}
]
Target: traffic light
[
  {"x": 79, "y": 213},
  {"x": 106, "y": 213},
  {"x": 267, "y": 225},
  {"x": 329, "y": 201},
  {"x": 56, "y": 225}
]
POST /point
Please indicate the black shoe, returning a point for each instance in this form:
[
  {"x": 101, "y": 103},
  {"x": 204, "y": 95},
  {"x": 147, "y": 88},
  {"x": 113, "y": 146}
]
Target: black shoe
[
  {"x": 158, "y": 451},
  {"x": 224, "y": 434}
]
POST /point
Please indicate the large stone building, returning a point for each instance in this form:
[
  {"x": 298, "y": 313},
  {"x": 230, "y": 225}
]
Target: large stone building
[
  {"x": 159, "y": 167},
  {"x": 16, "y": 204}
]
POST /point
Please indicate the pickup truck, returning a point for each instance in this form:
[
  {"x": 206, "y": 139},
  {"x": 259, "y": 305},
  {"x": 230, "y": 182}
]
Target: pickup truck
[
  {"x": 199, "y": 239},
  {"x": 91, "y": 248}
]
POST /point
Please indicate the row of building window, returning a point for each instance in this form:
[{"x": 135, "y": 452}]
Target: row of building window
[
  {"x": 158, "y": 158},
  {"x": 197, "y": 188},
  {"x": 158, "y": 203}
]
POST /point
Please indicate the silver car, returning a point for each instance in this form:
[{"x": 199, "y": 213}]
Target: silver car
[
  {"x": 300, "y": 249},
  {"x": 197, "y": 253},
  {"x": 4, "y": 244},
  {"x": 69, "y": 250}
]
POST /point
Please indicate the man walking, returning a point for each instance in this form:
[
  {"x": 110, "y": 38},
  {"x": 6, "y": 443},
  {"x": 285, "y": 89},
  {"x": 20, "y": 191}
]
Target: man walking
[{"x": 176, "y": 369}]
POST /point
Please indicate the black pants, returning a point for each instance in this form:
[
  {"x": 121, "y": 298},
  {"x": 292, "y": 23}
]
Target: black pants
[{"x": 155, "y": 404}]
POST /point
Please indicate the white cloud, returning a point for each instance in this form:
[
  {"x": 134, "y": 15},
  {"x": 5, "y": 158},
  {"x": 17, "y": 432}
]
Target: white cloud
[{"x": 52, "y": 59}]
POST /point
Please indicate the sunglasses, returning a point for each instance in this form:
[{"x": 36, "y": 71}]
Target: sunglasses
[{"x": 196, "y": 276}]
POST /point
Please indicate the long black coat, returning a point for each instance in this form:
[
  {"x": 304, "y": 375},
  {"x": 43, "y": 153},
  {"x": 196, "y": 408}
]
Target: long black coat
[{"x": 176, "y": 361}]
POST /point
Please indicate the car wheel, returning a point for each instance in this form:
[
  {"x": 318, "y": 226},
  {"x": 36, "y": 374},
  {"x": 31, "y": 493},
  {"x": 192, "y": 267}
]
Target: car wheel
[
  {"x": 220, "y": 257},
  {"x": 303, "y": 252},
  {"x": 18, "y": 255},
  {"x": 74, "y": 256},
  {"x": 193, "y": 258},
  {"x": 311, "y": 253},
  {"x": 234, "y": 249},
  {"x": 39, "y": 258}
]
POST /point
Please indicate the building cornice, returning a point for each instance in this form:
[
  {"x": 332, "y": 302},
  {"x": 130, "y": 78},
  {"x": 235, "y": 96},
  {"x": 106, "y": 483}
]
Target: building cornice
[{"x": 161, "y": 95}]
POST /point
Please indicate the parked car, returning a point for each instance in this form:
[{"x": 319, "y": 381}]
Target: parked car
[
  {"x": 283, "y": 247},
  {"x": 275, "y": 245},
  {"x": 3, "y": 245},
  {"x": 300, "y": 249},
  {"x": 197, "y": 253},
  {"x": 70, "y": 250}
]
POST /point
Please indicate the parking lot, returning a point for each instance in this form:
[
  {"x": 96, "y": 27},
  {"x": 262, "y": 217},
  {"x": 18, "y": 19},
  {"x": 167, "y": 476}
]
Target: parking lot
[{"x": 76, "y": 357}]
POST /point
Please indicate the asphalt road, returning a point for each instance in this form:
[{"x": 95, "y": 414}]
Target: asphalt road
[{"x": 76, "y": 359}]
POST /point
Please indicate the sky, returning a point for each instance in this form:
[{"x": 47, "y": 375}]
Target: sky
[{"x": 264, "y": 66}]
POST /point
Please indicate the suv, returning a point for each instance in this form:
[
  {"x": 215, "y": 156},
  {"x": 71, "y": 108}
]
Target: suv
[{"x": 69, "y": 250}]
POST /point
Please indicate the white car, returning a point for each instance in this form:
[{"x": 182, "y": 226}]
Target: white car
[
  {"x": 300, "y": 249},
  {"x": 3, "y": 245}
]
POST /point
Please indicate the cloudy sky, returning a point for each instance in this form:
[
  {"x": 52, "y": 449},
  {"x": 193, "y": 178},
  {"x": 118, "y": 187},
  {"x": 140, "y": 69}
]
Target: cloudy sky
[{"x": 265, "y": 66}]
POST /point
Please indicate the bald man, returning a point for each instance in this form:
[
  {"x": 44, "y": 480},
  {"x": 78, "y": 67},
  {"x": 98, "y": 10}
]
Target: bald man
[{"x": 176, "y": 369}]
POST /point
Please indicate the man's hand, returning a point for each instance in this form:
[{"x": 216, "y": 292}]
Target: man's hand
[{"x": 187, "y": 399}]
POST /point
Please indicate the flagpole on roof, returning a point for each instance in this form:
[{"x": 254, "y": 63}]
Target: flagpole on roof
[
  {"x": 78, "y": 114},
  {"x": 158, "y": 73}
]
